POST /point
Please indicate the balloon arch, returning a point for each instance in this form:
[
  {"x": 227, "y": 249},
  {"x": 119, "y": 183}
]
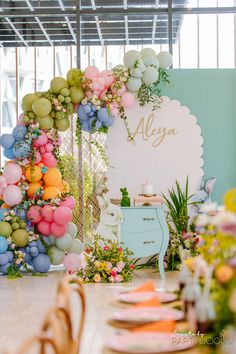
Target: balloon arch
[{"x": 37, "y": 203}]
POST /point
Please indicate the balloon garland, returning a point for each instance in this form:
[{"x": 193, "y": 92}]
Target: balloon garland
[{"x": 36, "y": 229}]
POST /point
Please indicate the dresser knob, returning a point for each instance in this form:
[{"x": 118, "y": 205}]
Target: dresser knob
[
  {"x": 148, "y": 242},
  {"x": 148, "y": 219}
]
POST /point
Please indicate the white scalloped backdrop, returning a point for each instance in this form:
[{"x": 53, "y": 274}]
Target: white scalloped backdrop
[{"x": 168, "y": 146}]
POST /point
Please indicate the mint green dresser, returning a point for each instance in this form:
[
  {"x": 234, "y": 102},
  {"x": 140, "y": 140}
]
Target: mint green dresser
[{"x": 144, "y": 231}]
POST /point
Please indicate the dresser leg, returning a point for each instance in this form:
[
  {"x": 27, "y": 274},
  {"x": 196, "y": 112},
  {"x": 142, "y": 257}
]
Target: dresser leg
[{"x": 161, "y": 266}]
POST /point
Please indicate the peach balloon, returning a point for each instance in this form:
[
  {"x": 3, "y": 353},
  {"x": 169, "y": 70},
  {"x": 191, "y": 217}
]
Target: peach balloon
[
  {"x": 33, "y": 173},
  {"x": 32, "y": 189},
  {"x": 53, "y": 177},
  {"x": 41, "y": 140},
  {"x": 58, "y": 230},
  {"x": 44, "y": 228},
  {"x": 5, "y": 206},
  {"x": 64, "y": 187},
  {"x": 51, "y": 192}
]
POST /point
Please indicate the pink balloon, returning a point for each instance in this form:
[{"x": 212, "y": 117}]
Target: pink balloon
[
  {"x": 91, "y": 72},
  {"x": 58, "y": 230},
  {"x": 3, "y": 182},
  {"x": 127, "y": 100},
  {"x": 63, "y": 215},
  {"x": 41, "y": 140},
  {"x": 69, "y": 202},
  {"x": 37, "y": 157},
  {"x": 118, "y": 91},
  {"x": 103, "y": 94},
  {"x": 12, "y": 195},
  {"x": 48, "y": 147},
  {"x": 34, "y": 214},
  {"x": 42, "y": 149},
  {"x": 12, "y": 172},
  {"x": 96, "y": 85},
  {"x": 1, "y": 191},
  {"x": 115, "y": 112},
  {"x": 49, "y": 159},
  {"x": 109, "y": 77},
  {"x": 72, "y": 262},
  {"x": 47, "y": 213},
  {"x": 44, "y": 228}
]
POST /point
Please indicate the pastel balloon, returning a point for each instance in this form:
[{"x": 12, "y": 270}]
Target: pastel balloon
[
  {"x": 57, "y": 255},
  {"x": 150, "y": 75},
  {"x": 147, "y": 52},
  {"x": 69, "y": 202},
  {"x": 10, "y": 256},
  {"x": 20, "y": 237},
  {"x": 3, "y": 246},
  {"x": 57, "y": 230},
  {"x": 5, "y": 229},
  {"x": 33, "y": 173},
  {"x": 64, "y": 187},
  {"x": 164, "y": 59},
  {"x": 41, "y": 140},
  {"x": 19, "y": 132},
  {"x": 44, "y": 227},
  {"x": 109, "y": 77},
  {"x": 51, "y": 193},
  {"x": 47, "y": 213},
  {"x": 118, "y": 90},
  {"x": 130, "y": 57},
  {"x": 3, "y": 257},
  {"x": 62, "y": 124},
  {"x": 7, "y": 141},
  {"x": 21, "y": 149},
  {"x": 3, "y": 269},
  {"x": 103, "y": 115},
  {"x": 9, "y": 154},
  {"x": 135, "y": 72},
  {"x": 33, "y": 187},
  {"x": 48, "y": 147},
  {"x": 45, "y": 123},
  {"x": 134, "y": 84},
  {"x": 72, "y": 229},
  {"x": 127, "y": 100},
  {"x": 49, "y": 161},
  {"x": 53, "y": 177},
  {"x": 12, "y": 173},
  {"x": 63, "y": 215},
  {"x": 72, "y": 262},
  {"x": 34, "y": 214},
  {"x": 41, "y": 107},
  {"x": 37, "y": 158},
  {"x": 41, "y": 263},
  {"x": 91, "y": 72},
  {"x": 151, "y": 60},
  {"x": 3, "y": 182},
  {"x": 12, "y": 195},
  {"x": 76, "y": 247},
  {"x": 64, "y": 242}
]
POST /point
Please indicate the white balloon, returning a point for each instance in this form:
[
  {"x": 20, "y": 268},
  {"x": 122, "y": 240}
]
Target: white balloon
[
  {"x": 134, "y": 84},
  {"x": 52, "y": 240},
  {"x": 72, "y": 229},
  {"x": 150, "y": 75},
  {"x": 64, "y": 242},
  {"x": 151, "y": 60},
  {"x": 141, "y": 66},
  {"x": 76, "y": 247},
  {"x": 57, "y": 255},
  {"x": 147, "y": 52},
  {"x": 165, "y": 59},
  {"x": 131, "y": 54},
  {"x": 135, "y": 72}
]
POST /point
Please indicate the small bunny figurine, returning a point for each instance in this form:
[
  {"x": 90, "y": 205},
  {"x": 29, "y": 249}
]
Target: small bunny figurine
[
  {"x": 125, "y": 201},
  {"x": 110, "y": 219},
  {"x": 203, "y": 195}
]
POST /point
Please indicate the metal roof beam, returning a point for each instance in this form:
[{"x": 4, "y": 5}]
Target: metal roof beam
[
  {"x": 44, "y": 31},
  {"x": 67, "y": 21},
  {"x": 126, "y": 23},
  {"x": 97, "y": 21},
  {"x": 154, "y": 23},
  {"x": 16, "y": 31}
]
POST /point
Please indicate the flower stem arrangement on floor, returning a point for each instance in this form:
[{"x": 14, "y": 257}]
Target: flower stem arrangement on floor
[
  {"x": 104, "y": 261},
  {"x": 182, "y": 229}
]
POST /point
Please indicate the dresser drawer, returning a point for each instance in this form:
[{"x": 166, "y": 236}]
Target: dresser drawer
[
  {"x": 143, "y": 243},
  {"x": 140, "y": 221}
]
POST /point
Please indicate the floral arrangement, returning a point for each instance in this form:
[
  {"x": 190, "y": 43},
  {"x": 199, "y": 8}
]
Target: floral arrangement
[
  {"x": 104, "y": 261},
  {"x": 182, "y": 230}
]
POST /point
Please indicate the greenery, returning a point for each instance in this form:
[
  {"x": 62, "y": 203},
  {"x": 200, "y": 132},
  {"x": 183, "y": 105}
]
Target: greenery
[{"x": 105, "y": 261}]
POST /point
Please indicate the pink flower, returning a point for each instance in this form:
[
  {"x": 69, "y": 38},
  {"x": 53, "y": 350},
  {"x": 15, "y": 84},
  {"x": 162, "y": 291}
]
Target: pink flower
[
  {"x": 106, "y": 248},
  {"x": 97, "y": 278},
  {"x": 120, "y": 266},
  {"x": 119, "y": 278},
  {"x": 131, "y": 266},
  {"x": 108, "y": 265},
  {"x": 120, "y": 249},
  {"x": 114, "y": 272}
]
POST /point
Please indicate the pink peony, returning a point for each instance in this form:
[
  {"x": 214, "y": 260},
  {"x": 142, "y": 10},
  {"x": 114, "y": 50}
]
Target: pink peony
[
  {"x": 106, "y": 248},
  {"x": 119, "y": 278},
  {"x": 114, "y": 272},
  {"x": 120, "y": 266}
]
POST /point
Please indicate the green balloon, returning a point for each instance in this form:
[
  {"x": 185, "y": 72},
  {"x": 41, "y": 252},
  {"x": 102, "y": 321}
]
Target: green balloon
[
  {"x": 45, "y": 123},
  {"x": 134, "y": 84},
  {"x": 74, "y": 77},
  {"x": 76, "y": 247},
  {"x": 27, "y": 101},
  {"x": 150, "y": 75},
  {"x": 15, "y": 225},
  {"x": 147, "y": 52},
  {"x": 21, "y": 237},
  {"x": 57, "y": 255},
  {"x": 64, "y": 242},
  {"x": 57, "y": 84},
  {"x": 76, "y": 94},
  {"x": 65, "y": 92},
  {"x": 5, "y": 229},
  {"x": 62, "y": 124},
  {"x": 42, "y": 107}
]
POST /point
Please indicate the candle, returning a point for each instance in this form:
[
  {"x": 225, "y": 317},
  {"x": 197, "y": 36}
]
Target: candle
[{"x": 147, "y": 189}]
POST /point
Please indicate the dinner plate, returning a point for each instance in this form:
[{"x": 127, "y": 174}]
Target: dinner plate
[
  {"x": 134, "y": 298},
  {"x": 150, "y": 343},
  {"x": 148, "y": 314}
]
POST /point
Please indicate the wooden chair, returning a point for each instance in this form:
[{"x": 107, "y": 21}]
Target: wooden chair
[{"x": 43, "y": 343}]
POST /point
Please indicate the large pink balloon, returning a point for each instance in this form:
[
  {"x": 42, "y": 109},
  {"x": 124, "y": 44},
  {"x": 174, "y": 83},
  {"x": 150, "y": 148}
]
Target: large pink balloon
[
  {"x": 58, "y": 230},
  {"x": 12, "y": 172},
  {"x": 44, "y": 228},
  {"x": 12, "y": 195},
  {"x": 34, "y": 214},
  {"x": 69, "y": 202},
  {"x": 109, "y": 77},
  {"x": 119, "y": 90},
  {"x": 48, "y": 147},
  {"x": 3, "y": 182},
  {"x": 47, "y": 213},
  {"x": 127, "y": 100},
  {"x": 91, "y": 72},
  {"x": 49, "y": 159},
  {"x": 38, "y": 157},
  {"x": 63, "y": 215},
  {"x": 72, "y": 262},
  {"x": 41, "y": 140}
]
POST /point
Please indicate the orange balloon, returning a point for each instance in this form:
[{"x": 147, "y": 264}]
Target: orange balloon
[
  {"x": 53, "y": 177},
  {"x": 32, "y": 189},
  {"x": 41, "y": 165},
  {"x": 33, "y": 173},
  {"x": 64, "y": 187},
  {"x": 5, "y": 206},
  {"x": 51, "y": 192}
]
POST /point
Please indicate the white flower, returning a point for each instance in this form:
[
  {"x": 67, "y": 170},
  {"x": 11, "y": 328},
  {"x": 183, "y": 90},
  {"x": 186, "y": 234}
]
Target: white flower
[{"x": 84, "y": 101}]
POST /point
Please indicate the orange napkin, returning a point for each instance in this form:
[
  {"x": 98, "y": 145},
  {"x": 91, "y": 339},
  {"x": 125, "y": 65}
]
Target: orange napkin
[
  {"x": 148, "y": 286},
  {"x": 153, "y": 302},
  {"x": 160, "y": 326}
]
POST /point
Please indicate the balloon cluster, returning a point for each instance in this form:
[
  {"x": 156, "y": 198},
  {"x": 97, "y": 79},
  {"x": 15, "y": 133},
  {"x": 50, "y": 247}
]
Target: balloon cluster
[
  {"x": 90, "y": 117},
  {"x": 6, "y": 257},
  {"x": 14, "y": 144}
]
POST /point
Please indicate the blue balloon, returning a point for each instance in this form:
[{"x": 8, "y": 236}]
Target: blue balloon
[
  {"x": 34, "y": 251},
  {"x": 28, "y": 258},
  {"x": 21, "y": 213},
  {"x": 3, "y": 259},
  {"x": 2, "y": 212},
  {"x": 9, "y": 154},
  {"x": 87, "y": 108},
  {"x": 27, "y": 249},
  {"x": 94, "y": 108},
  {"x": 81, "y": 113},
  {"x": 21, "y": 149},
  {"x": 41, "y": 263},
  {"x": 33, "y": 244},
  {"x": 110, "y": 122},
  {"x": 91, "y": 114},
  {"x": 3, "y": 269},
  {"x": 98, "y": 124},
  {"x": 41, "y": 247},
  {"x": 19, "y": 132},
  {"x": 3, "y": 245},
  {"x": 10, "y": 256},
  {"x": 103, "y": 115},
  {"x": 86, "y": 127},
  {"x": 7, "y": 141}
]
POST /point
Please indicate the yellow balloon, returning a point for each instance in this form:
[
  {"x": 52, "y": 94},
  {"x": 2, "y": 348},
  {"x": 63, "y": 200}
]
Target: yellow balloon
[
  {"x": 64, "y": 187},
  {"x": 53, "y": 177},
  {"x": 51, "y": 193},
  {"x": 33, "y": 173},
  {"x": 32, "y": 189},
  {"x": 230, "y": 200}
]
